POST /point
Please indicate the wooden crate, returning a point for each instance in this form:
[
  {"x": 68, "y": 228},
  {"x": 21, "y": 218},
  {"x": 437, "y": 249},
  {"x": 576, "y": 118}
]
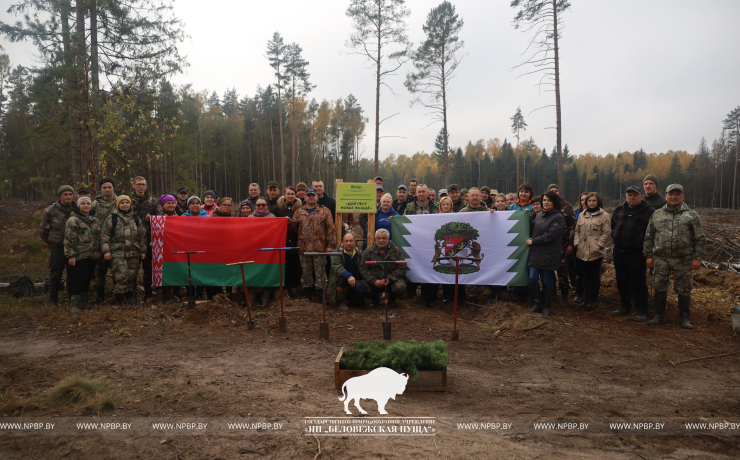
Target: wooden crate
[{"x": 427, "y": 381}]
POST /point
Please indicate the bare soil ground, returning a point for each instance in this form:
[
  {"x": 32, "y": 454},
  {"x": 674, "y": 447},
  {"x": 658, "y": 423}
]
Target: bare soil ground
[{"x": 172, "y": 363}]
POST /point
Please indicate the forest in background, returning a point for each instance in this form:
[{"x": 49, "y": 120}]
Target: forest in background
[{"x": 102, "y": 105}]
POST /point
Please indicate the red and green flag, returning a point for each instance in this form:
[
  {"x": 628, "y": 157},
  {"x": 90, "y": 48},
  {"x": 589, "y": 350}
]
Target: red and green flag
[{"x": 224, "y": 240}]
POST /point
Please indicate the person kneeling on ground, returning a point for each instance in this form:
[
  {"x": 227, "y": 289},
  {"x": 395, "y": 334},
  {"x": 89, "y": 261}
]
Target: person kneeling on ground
[
  {"x": 345, "y": 279},
  {"x": 383, "y": 250}
]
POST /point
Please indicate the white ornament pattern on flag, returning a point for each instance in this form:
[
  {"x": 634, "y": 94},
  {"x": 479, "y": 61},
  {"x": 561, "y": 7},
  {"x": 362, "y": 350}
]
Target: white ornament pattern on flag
[{"x": 157, "y": 223}]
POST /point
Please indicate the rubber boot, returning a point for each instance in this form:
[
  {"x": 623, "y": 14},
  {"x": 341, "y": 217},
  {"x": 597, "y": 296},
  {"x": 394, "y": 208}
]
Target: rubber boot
[
  {"x": 54, "y": 296},
  {"x": 100, "y": 295},
  {"x": 252, "y": 299},
  {"x": 119, "y": 300},
  {"x": 624, "y": 310},
  {"x": 309, "y": 293},
  {"x": 564, "y": 294},
  {"x": 166, "y": 293},
  {"x": 74, "y": 304},
  {"x": 534, "y": 292},
  {"x": 84, "y": 303},
  {"x": 547, "y": 302},
  {"x": 319, "y": 295},
  {"x": 340, "y": 303},
  {"x": 661, "y": 301},
  {"x": 147, "y": 293},
  {"x": 266, "y": 297},
  {"x": 130, "y": 298},
  {"x": 684, "y": 305}
]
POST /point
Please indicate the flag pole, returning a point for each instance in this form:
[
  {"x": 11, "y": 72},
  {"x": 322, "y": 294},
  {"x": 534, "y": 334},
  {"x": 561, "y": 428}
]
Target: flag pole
[
  {"x": 191, "y": 295},
  {"x": 250, "y": 323},
  {"x": 282, "y": 322},
  {"x": 323, "y": 325}
]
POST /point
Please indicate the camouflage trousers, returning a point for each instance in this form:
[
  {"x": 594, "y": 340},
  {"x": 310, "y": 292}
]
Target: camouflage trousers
[
  {"x": 395, "y": 289},
  {"x": 683, "y": 277},
  {"x": 563, "y": 280},
  {"x": 101, "y": 271},
  {"x": 124, "y": 270},
  {"x": 314, "y": 271}
]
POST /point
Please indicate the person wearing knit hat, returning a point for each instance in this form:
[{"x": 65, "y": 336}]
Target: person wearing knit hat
[
  {"x": 123, "y": 242},
  {"x": 103, "y": 205},
  {"x": 82, "y": 251},
  {"x": 650, "y": 184},
  {"x": 169, "y": 203},
  {"x": 553, "y": 186},
  {"x": 122, "y": 198},
  {"x": 209, "y": 202},
  {"x": 194, "y": 208},
  {"x": 51, "y": 231},
  {"x": 485, "y": 193}
]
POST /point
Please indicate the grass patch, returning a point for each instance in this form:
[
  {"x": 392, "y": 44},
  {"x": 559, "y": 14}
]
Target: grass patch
[
  {"x": 76, "y": 389},
  {"x": 410, "y": 357},
  {"x": 34, "y": 247},
  {"x": 105, "y": 403},
  {"x": 123, "y": 333}
]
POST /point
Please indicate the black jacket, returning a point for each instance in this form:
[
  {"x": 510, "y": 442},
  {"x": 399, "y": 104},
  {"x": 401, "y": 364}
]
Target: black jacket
[
  {"x": 400, "y": 206},
  {"x": 629, "y": 225},
  {"x": 328, "y": 202},
  {"x": 282, "y": 210},
  {"x": 547, "y": 232}
]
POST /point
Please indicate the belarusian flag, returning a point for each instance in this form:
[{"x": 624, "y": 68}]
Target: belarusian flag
[
  {"x": 224, "y": 240},
  {"x": 498, "y": 238}
]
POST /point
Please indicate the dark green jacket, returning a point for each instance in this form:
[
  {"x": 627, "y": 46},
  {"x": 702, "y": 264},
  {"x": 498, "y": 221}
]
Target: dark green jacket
[
  {"x": 372, "y": 273},
  {"x": 414, "y": 208},
  {"x": 53, "y": 224},
  {"x": 656, "y": 200}
]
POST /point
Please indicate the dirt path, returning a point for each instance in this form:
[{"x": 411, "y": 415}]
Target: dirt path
[{"x": 205, "y": 366}]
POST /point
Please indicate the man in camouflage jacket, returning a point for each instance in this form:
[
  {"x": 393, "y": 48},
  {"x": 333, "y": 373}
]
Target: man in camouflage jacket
[
  {"x": 372, "y": 275},
  {"x": 52, "y": 228},
  {"x": 102, "y": 207},
  {"x": 674, "y": 243},
  {"x": 144, "y": 205},
  {"x": 566, "y": 245},
  {"x": 316, "y": 233}
]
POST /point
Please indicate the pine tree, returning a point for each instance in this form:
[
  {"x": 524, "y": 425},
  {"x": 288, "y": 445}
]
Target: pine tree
[
  {"x": 675, "y": 172},
  {"x": 277, "y": 54},
  {"x": 378, "y": 25}
]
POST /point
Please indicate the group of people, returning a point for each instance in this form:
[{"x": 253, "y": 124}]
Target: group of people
[{"x": 648, "y": 231}]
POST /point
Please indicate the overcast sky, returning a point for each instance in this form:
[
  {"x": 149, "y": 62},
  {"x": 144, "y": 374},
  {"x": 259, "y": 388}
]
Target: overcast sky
[{"x": 656, "y": 74}]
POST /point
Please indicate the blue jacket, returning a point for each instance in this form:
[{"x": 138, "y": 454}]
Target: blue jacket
[
  {"x": 577, "y": 213},
  {"x": 202, "y": 213},
  {"x": 383, "y": 219},
  {"x": 517, "y": 207}
]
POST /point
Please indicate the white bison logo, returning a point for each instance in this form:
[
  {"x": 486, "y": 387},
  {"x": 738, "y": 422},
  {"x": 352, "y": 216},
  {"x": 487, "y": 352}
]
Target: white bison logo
[{"x": 379, "y": 384}]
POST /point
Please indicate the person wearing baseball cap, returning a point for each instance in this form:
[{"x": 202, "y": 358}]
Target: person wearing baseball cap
[
  {"x": 402, "y": 199},
  {"x": 453, "y": 191},
  {"x": 273, "y": 192},
  {"x": 442, "y": 193},
  {"x": 51, "y": 231},
  {"x": 650, "y": 184},
  {"x": 316, "y": 233},
  {"x": 629, "y": 223},
  {"x": 181, "y": 207},
  {"x": 674, "y": 243}
]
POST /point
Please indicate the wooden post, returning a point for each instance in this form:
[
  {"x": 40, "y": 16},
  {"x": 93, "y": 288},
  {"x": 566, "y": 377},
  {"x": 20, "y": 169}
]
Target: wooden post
[
  {"x": 338, "y": 219},
  {"x": 370, "y": 237}
]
